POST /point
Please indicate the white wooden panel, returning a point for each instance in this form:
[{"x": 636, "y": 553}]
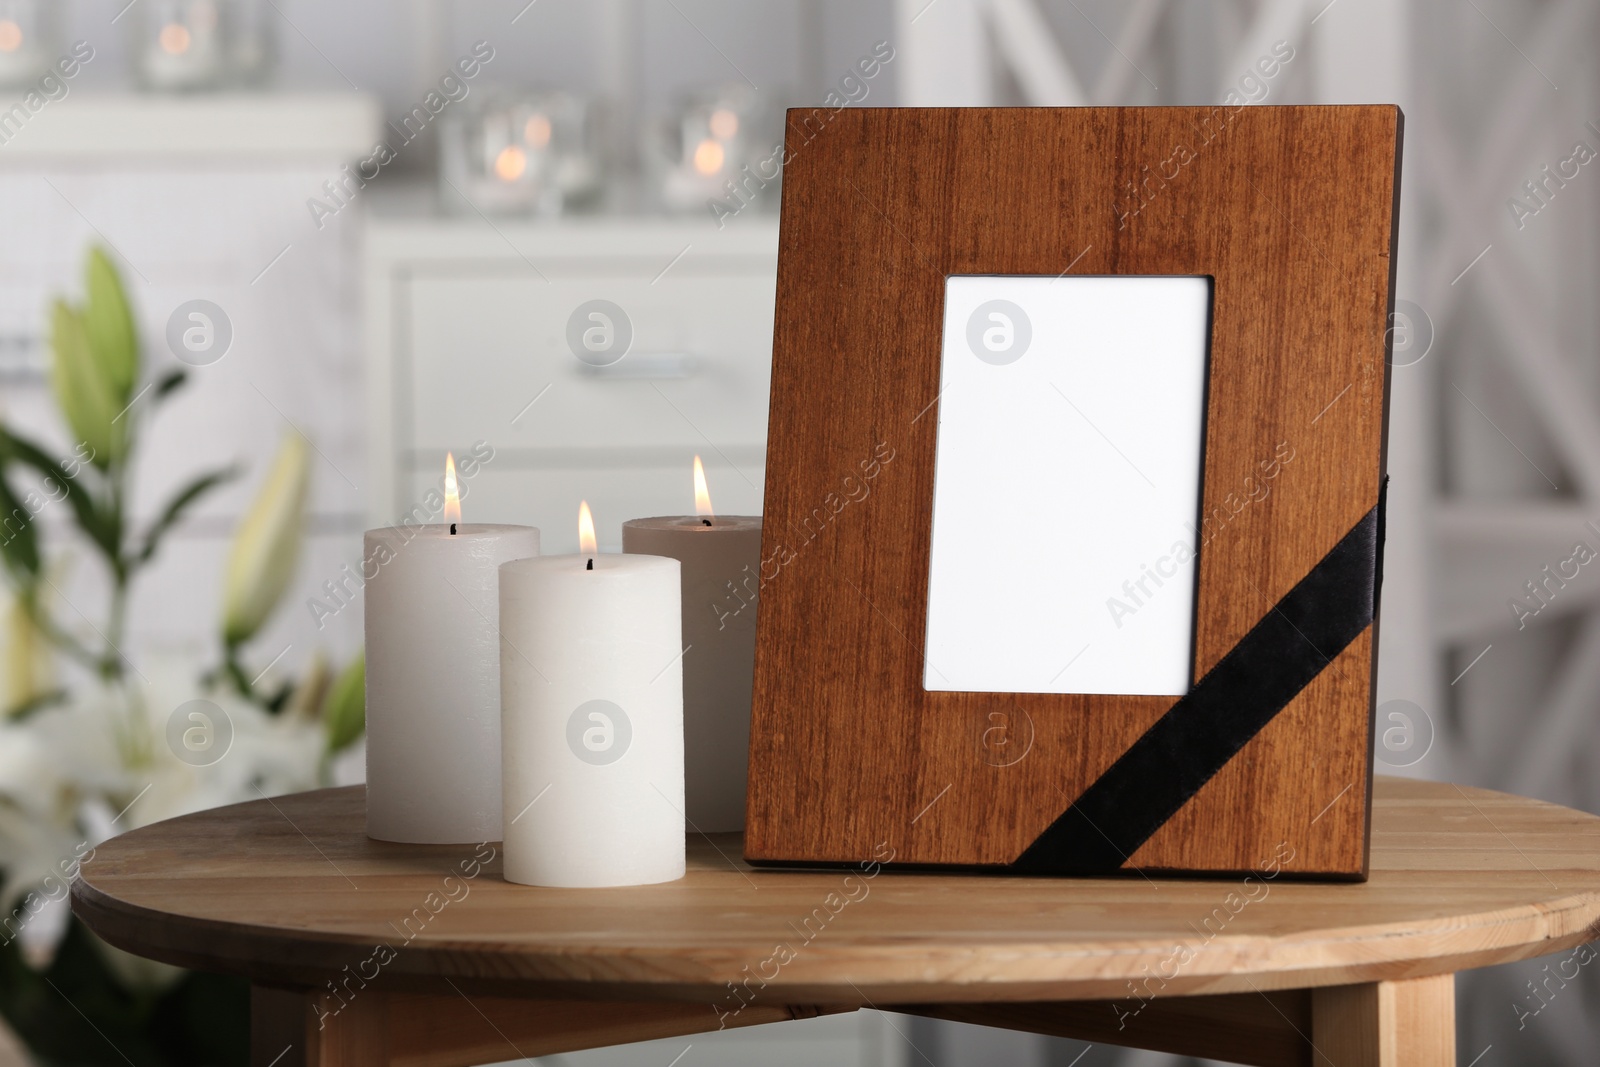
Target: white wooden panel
[
  {"x": 177, "y": 605},
  {"x": 183, "y": 235},
  {"x": 483, "y": 348},
  {"x": 305, "y": 127},
  {"x": 945, "y": 59},
  {"x": 443, "y": 295}
]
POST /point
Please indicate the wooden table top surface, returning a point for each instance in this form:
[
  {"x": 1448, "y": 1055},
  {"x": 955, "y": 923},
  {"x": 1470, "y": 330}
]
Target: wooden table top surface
[{"x": 290, "y": 891}]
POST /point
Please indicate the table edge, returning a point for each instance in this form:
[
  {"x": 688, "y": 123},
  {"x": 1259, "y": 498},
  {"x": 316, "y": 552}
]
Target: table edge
[{"x": 859, "y": 973}]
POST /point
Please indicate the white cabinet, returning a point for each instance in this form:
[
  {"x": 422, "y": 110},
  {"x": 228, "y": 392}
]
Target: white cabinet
[{"x": 468, "y": 335}]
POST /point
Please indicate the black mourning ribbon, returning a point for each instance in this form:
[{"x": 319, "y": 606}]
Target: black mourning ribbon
[{"x": 1207, "y": 727}]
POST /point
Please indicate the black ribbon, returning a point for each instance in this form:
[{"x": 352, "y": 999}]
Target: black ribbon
[{"x": 1207, "y": 727}]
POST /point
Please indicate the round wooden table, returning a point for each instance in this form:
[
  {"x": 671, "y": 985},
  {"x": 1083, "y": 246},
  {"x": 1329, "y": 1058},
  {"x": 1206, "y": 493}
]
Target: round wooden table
[{"x": 369, "y": 953}]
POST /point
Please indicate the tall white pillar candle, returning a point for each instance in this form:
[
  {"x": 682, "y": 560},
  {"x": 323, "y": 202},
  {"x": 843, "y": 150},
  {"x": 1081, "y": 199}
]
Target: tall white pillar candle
[
  {"x": 721, "y": 559},
  {"x": 433, "y": 679},
  {"x": 591, "y": 695}
]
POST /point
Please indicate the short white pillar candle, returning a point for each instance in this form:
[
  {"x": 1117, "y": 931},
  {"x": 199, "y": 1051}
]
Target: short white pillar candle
[
  {"x": 433, "y": 679},
  {"x": 721, "y": 560},
  {"x": 591, "y": 696}
]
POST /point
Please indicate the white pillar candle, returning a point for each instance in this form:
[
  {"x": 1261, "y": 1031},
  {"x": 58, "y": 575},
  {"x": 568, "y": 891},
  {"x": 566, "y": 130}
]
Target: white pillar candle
[
  {"x": 433, "y": 678},
  {"x": 720, "y": 557},
  {"x": 591, "y": 696}
]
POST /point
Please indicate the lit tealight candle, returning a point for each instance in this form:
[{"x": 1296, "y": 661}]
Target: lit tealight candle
[
  {"x": 720, "y": 557},
  {"x": 433, "y": 673},
  {"x": 184, "y": 46},
  {"x": 591, "y": 699}
]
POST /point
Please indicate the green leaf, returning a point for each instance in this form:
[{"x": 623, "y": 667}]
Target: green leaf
[
  {"x": 19, "y": 538},
  {"x": 168, "y": 383},
  {"x": 173, "y": 514},
  {"x": 15, "y": 449},
  {"x": 345, "y": 712},
  {"x": 38, "y": 703},
  {"x": 113, "y": 339}
]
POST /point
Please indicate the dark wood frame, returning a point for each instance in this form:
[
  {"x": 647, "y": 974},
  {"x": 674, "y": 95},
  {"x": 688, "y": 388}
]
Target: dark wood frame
[{"x": 1292, "y": 210}]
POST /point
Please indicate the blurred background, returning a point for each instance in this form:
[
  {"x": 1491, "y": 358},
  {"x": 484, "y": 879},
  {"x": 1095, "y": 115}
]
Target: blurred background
[{"x": 265, "y": 261}]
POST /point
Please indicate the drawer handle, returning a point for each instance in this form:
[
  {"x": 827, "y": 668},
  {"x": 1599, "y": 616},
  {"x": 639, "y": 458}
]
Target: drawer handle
[{"x": 644, "y": 365}]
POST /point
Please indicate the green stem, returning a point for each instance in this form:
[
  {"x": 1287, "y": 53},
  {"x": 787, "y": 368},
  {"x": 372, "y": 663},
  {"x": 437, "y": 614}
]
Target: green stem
[
  {"x": 234, "y": 672},
  {"x": 135, "y": 743},
  {"x": 112, "y": 668}
]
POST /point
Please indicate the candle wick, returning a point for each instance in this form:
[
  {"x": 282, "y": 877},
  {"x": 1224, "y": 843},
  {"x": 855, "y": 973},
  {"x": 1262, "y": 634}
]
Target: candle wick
[
  {"x": 590, "y": 567},
  {"x": 452, "y": 529},
  {"x": 705, "y": 522}
]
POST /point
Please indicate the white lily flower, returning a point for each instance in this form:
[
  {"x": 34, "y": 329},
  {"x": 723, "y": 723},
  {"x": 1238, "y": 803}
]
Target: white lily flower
[{"x": 113, "y": 759}]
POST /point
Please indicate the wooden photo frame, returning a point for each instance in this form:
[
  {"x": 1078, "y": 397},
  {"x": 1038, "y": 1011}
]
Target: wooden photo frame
[{"x": 1290, "y": 213}]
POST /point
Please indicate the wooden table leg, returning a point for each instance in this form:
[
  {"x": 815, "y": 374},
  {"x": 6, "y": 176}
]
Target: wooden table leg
[
  {"x": 1410, "y": 1023},
  {"x": 277, "y": 1028},
  {"x": 374, "y": 1028},
  {"x": 296, "y": 1028}
]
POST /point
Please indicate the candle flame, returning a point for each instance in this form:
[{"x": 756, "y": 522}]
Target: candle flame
[
  {"x": 702, "y": 495},
  {"x": 709, "y": 157},
  {"x": 452, "y": 497},
  {"x": 510, "y": 163},
  {"x": 586, "y": 539},
  {"x": 174, "y": 39}
]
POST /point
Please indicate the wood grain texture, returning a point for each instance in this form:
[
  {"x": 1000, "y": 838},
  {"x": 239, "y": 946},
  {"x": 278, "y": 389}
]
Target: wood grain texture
[
  {"x": 293, "y": 893},
  {"x": 1292, "y": 211},
  {"x": 1385, "y": 1024}
]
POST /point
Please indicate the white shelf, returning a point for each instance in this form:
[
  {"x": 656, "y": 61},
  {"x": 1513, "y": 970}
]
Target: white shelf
[
  {"x": 409, "y": 238},
  {"x": 148, "y": 128}
]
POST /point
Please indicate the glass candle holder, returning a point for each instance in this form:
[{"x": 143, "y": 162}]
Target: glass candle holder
[
  {"x": 28, "y": 40},
  {"x": 179, "y": 45},
  {"x": 252, "y": 40},
  {"x": 521, "y": 152},
  {"x": 721, "y": 145}
]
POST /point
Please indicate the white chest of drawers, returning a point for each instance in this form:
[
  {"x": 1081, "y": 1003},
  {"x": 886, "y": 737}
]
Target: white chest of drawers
[{"x": 467, "y": 335}]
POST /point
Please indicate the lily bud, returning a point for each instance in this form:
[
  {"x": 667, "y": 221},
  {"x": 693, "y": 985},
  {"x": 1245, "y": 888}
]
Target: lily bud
[
  {"x": 27, "y": 674},
  {"x": 267, "y": 544},
  {"x": 86, "y": 396},
  {"x": 306, "y": 699},
  {"x": 345, "y": 714},
  {"x": 113, "y": 339}
]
